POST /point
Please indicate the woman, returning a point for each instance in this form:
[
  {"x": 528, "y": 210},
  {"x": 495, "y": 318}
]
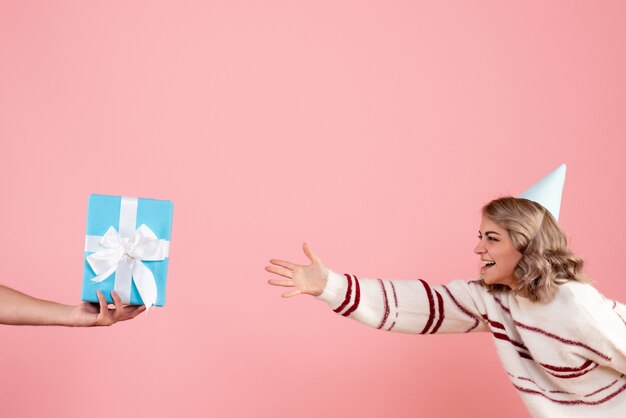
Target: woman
[{"x": 561, "y": 342}]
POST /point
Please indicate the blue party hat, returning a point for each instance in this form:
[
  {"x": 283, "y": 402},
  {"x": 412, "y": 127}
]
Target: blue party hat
[{"x": 547, "y": 191}]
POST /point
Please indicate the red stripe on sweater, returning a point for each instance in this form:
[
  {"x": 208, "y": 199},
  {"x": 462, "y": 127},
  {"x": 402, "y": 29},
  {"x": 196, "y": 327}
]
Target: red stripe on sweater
[
  {"x": 395, "y": 301},
  {"x": 562, "y": 392},
  {"x": 506, "y": 309},
  {"x": 617, "y": 313},
  {"x": 604, "y": 388},
  {"x": 551, "y": 335},
  {"x": 386, "y": 300},
  {"x": 357, "y": 297},
  {"x": 465, "y": 311},
  {"x": 505, "y": 337},
  {"x": 573, "y": 375},
  {"x": 346, "y": 300},
  {"x": 431, "y": 305},
  {"x": 540, "y": 388},
  {"x": 441, "y": 313},
  {"x": 568, "y": 369},
  {"x": 534, "y": 383},
  {"x": 574, "y": 402},
  {"x": 557, "y": 369},
  {"x": 494, "y": 324}
]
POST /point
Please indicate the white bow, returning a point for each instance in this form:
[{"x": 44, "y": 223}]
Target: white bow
[{"x": 123, "y": 256}]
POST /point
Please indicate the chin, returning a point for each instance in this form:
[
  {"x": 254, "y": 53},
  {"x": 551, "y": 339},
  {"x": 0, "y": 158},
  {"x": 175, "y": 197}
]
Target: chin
[{"x": 487, "y": 280}]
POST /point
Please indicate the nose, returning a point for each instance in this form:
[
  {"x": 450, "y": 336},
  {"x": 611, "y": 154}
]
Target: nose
[{"x": 480, "y": 248}]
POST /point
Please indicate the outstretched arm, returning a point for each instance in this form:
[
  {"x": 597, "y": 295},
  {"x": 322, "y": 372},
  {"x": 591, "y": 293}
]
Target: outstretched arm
[
  {"x": 411, "y": 306},
  {"x": 17, "y": 308}
]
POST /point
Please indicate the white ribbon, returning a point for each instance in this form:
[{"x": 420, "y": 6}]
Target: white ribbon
[{"x": 123, "y": 256}]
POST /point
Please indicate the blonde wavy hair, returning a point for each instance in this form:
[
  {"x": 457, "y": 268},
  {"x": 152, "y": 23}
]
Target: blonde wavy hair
[{"x": 546, "y": 261}]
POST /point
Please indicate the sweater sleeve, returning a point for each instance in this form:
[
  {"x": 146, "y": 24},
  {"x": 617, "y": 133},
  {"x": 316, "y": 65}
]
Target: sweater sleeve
[
  {"x": 410, "y": 306},
  {"x": 606, "y": 327},
  {"x": 598, "y": 325}
]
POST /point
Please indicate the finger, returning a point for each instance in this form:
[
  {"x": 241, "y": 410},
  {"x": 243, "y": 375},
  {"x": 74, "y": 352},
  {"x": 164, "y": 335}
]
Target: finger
[
  {"x": 104, "y": 305},
  {"x": 104, "y": 317},
  {"x": 119, "y": 306},
  {"x": 283, "y": 263},
  {"x": 280, "y": 282},
  {"x": 310, "y": 255},
  {"x": 139, "y": 310},
  {"x": 291, "y": 293},
  {"x": 280, "y": 271},
  {"x": 132, "y": 312}
]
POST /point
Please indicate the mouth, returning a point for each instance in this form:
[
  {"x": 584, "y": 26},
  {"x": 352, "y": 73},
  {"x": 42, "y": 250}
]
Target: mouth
[{"x": 486, "y": 265}]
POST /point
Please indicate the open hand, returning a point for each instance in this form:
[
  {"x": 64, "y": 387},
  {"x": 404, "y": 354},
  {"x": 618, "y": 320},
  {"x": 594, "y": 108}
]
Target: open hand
[
  {"x": 309, "y": 280},
  {"x": 91, "y": 315}
]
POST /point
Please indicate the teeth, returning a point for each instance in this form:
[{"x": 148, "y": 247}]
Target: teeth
[{"x": 488, "y": 263}]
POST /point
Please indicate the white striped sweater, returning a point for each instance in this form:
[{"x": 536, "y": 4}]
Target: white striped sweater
[{"x": 565, "y": 358}]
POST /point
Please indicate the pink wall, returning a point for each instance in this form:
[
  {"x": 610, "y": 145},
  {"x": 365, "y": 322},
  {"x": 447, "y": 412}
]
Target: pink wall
[{"x": 373, "y": 130}]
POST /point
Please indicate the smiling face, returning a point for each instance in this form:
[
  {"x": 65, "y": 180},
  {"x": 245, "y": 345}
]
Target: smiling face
[{"x": 497, "y": 254}]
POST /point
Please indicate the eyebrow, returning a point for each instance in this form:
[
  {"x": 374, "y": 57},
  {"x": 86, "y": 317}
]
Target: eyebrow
[{"x": 489, "y": 232}]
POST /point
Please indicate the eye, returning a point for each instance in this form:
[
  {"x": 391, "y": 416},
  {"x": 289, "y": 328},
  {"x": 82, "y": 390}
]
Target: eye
[
  {"x": 480, "y": 237},
  {"x": 492, "y": 239}
]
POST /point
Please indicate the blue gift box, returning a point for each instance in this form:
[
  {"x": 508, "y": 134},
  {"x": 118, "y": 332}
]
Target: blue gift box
[{"x": 130, "y": 236}]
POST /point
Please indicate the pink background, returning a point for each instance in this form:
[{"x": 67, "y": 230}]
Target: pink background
[{"x": 372, "y": 130}]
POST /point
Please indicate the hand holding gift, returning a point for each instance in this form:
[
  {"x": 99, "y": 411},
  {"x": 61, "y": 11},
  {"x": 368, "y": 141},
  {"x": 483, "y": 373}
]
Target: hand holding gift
[
  {"x": 90, "y": 314},
  {"x": 17, "y": 308},
  {"x": 126, "y": 257}
]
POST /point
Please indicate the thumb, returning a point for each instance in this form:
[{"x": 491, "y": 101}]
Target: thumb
[
  {"x": 291, "y": 293},
  {"x": 310, "y": 255}
]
